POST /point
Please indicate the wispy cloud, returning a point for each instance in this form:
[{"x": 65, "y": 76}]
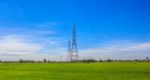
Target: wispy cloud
[
  {"x": 16, "y": 45},
  {"x": 127, "y": 50}
]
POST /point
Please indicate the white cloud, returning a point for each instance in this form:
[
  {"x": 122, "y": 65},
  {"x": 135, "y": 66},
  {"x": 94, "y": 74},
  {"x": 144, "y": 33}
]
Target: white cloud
[
  {"x": 128, "y": 50},
  {"x": 16, "y": 45},
  {"x": 52, "y": 42}
]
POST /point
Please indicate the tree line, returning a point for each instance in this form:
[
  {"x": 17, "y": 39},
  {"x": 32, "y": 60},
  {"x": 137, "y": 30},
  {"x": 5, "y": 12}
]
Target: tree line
[{"x": 147, "y": 59}]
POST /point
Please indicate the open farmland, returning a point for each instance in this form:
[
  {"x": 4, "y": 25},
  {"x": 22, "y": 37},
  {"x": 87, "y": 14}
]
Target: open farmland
[{"x": 75, "y": 71}]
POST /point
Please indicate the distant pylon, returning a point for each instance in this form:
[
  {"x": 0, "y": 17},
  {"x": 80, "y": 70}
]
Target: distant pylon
[
  {"x": 72, "y": 47},
  {"x": 69, "y": 51}
]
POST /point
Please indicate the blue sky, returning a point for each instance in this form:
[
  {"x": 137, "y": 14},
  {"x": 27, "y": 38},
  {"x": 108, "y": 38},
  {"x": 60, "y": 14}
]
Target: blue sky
[{"x": 43, "y": 27}]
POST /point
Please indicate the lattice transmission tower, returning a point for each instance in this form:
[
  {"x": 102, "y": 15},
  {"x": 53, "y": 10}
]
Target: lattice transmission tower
[{"x": 72, "y": 47}]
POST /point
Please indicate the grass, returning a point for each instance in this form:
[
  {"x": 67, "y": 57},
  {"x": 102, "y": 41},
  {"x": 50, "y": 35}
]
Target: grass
[{"x": 75, "y": 71}]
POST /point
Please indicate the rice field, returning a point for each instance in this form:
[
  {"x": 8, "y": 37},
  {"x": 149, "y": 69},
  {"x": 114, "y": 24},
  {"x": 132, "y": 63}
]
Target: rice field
[{"x": 75, "y": 71}]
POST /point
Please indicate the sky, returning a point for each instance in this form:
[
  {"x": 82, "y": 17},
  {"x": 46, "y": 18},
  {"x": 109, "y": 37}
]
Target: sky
[{"x": 37, "y": 29}]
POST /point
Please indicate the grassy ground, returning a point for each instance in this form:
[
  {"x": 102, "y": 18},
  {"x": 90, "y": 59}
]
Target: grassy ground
[{"x": 75, "y": 71}]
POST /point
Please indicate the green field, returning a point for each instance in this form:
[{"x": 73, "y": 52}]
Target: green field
[{"x": 75, "y": 71}]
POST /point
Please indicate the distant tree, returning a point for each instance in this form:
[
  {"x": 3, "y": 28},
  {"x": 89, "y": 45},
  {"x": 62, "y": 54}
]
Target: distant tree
[
  {"x": 137, "y": 60},
  {"x": 44, "y": 60},
  {"x": 48, "y": 60},
  {"x": 100, "y": 60},
  {"x": 89, "y": 60},
  {"x": 21, "y": 61},
  {"x": 147, "y": 58},
  {"x": 109, "y": 60}
]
